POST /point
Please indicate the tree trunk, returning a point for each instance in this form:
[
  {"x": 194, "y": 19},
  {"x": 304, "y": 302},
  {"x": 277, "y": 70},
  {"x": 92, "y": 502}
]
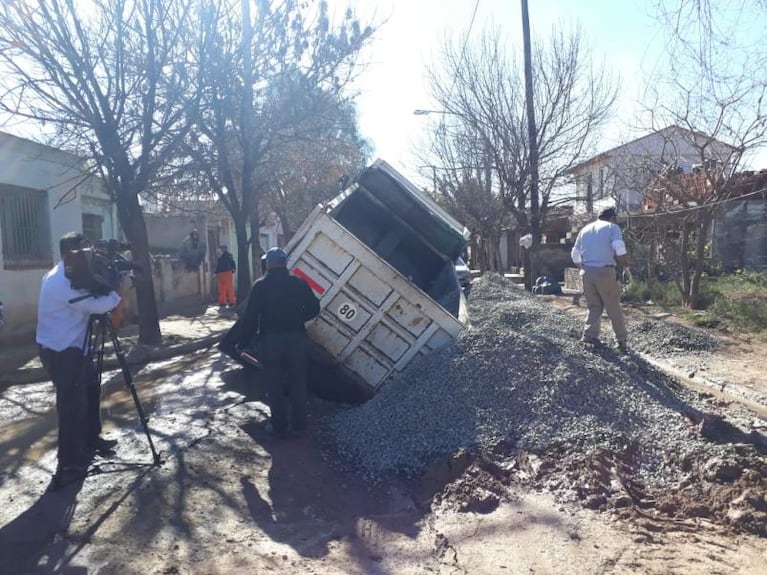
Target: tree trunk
[
  {"x": 132, "y": 222},
  {"x": 684, "y": 261},
  {"x": 287, "y": 230},
  {"x": 704, "y": 221},
  {"x": 243, "y": 259},
  {"x": 255, "y": 242},
  {"x": 653, "y": 255}
]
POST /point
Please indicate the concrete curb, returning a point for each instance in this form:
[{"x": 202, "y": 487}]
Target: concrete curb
[
  {"x": 701, "y": 384},
  {"x": 145, "y": 356}
]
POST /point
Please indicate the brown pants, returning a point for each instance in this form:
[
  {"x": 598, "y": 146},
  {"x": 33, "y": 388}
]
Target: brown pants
[{"x": 603, "y": 292}]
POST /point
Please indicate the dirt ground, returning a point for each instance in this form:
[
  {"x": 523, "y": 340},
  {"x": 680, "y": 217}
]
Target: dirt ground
[
  {"x": 228, "y": 498},
  {"x": 736, "y": 368}
]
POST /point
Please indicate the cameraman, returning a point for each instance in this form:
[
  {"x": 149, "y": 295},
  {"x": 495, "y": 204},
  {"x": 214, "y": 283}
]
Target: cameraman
[{"x": 61, "y": 330}]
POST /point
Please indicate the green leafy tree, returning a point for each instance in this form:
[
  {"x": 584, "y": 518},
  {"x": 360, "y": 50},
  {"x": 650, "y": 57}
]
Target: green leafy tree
[{"x": 316, "y": 167}]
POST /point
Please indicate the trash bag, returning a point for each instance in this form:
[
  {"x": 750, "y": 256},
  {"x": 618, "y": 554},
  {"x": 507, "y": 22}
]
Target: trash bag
[
  {"x": 249, "y": 356},
  {"x": 546, "y": 285}
]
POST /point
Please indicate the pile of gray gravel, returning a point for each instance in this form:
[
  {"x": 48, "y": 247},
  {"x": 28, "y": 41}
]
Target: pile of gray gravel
[
  {"x": 520, "y": 375},
  {"x": 665, "y": 338}
]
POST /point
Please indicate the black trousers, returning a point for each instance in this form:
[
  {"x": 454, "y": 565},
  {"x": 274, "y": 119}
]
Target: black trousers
[
  {"x": 283, "y": 357},
  {"x": 78, "y": 403}
]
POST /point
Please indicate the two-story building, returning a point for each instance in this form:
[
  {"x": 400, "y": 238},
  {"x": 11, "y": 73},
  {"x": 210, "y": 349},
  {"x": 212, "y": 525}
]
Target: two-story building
[{"x": 620, "y": 176}]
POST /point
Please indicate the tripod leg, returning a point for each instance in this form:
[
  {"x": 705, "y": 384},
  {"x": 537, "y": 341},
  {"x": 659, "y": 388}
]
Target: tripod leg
[
  {"x": 107, "y": 324},
  {"x": 94, "y": 369}
]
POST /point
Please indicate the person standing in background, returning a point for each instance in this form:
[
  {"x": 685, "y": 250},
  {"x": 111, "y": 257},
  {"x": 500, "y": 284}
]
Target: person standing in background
[
  {"x": 225, "y": 268},
  {"x": 192, "y": 251}
]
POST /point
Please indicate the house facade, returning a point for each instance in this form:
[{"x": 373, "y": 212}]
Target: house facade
[
  {"x": 44, "y": 193},
  {"x": 620, "y": 176}
]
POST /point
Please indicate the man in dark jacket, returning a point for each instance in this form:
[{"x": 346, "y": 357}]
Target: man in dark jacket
[
  {"x": 225, "y": 268},
  {"x": 278, "y": 306},
  {"x": 192, "y": 251}
]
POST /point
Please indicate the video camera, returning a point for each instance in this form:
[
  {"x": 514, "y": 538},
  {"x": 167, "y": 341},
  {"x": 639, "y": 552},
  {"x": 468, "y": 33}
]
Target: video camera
[{"x": 98, "y": 269}]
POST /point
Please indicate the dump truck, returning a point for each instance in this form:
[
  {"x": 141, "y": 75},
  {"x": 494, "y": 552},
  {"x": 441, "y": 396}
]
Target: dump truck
[{"x": 380, "y": 256}]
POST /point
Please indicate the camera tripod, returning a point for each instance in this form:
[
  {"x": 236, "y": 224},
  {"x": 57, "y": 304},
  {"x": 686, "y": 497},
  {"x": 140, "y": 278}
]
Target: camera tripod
[{"x": 100, "y": 329}]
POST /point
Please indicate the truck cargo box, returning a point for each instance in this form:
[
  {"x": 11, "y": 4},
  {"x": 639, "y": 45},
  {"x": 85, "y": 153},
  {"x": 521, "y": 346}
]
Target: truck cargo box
[{"x": 380, "y": 258}]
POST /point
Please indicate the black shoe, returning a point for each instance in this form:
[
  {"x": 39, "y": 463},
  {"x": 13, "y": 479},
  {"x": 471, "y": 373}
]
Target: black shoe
[
  {"x": 102, "y": 446},
  {"x": 66, "y": 475},
  {"x": 590, "y": 340}
]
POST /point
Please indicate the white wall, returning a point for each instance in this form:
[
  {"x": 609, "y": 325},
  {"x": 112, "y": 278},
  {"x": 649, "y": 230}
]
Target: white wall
[
  {"x": 97, "y": 204},
  {"x": 30, "y": 165}
]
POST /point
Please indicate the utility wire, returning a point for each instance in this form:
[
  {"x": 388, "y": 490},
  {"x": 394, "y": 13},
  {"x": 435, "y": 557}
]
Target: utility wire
[{"x": 460, "y": 60}]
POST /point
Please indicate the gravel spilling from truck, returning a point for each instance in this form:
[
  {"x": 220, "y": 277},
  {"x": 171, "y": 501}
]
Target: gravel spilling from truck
[{"x": 521, "y": 378}]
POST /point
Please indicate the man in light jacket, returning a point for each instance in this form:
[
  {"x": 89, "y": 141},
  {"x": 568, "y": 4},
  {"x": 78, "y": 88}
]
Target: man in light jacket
[{"x": 598, "y": 248}]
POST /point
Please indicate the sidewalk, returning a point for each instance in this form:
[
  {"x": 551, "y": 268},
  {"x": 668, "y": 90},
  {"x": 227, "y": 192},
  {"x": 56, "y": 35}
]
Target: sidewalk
[{"x": 181, "y": 334}]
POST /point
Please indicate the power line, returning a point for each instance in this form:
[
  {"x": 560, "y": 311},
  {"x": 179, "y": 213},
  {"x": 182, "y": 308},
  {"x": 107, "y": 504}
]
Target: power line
[{"x": 460, "y": 58}]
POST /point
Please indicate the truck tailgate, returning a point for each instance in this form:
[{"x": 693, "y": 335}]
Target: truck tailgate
[{"x": 374, "y": 321}]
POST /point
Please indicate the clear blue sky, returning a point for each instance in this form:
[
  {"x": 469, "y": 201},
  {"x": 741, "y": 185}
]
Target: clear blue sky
[{"x": 622, "y": 33}]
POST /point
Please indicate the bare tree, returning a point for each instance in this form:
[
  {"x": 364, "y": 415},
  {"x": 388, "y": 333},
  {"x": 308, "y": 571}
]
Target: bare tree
[
  {"x": 466, "y": 185},
  {"x": 714, "y": 91},
  {"x": 481, "y": 88},
  {"x": 679, "y": 229},
  {"x": 269, "y": 69},
  {"x": 721, "y": 38},
  {"x": 114, "y": 79}
]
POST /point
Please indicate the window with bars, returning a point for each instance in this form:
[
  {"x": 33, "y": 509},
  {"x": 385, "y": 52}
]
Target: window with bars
[
  {"x": 26, "y": 229},
  {"x": 93, "y": 227}
]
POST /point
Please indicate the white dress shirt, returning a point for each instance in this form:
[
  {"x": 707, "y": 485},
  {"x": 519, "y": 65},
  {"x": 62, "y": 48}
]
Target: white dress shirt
[
  {"x": 61, "y": 324},
  {"x": 597, "y": 244}
]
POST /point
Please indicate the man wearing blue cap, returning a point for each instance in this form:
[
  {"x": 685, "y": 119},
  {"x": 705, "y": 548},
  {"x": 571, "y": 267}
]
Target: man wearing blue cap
[
  {"x": 597, "y": 248},
  {"x": 278, "y": 307}
]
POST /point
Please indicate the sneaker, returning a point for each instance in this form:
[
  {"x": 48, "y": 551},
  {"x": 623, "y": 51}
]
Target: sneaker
[
  {"x": 102, "y": 446},
  {"x": 590, "y": 340}
]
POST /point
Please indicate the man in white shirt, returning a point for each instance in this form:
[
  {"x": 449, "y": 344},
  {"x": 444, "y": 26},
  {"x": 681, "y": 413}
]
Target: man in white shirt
[
  {"x": 597, "y": 248},
  {"x": 62, "y": 323}
]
